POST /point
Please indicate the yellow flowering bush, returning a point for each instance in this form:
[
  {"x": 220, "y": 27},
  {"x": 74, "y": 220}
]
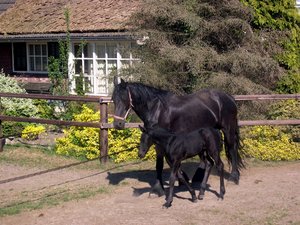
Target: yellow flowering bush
[
  {"x": 31, "y": 132},
  {"x": 84, "y": 141},
  {"x": 123, "y": 145},
  {"x": 270, "y": 143}
]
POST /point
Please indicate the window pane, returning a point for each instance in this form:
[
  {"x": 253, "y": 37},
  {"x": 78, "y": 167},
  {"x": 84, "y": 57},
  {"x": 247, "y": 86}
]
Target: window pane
[
  {"x": 77, "y": 51},
  {"x": 31, "y": 63},
  {"x": 53, "y": 49},
  {"x": 88, "y": 51},
  {"x": 45, "y": 64},
  {"x": 111, "y": 50},
  {"x": 100, "y": 50},
  {"x": 125, "y": 50},
  {"x": 112, "y": 66},
  {"x": 44, "y": 50},
  {"x": 88, "y": 67},
  {"x": 88, "y": 84},
  {"x": 101, "y": 67},
  {"x": 31, "y": 49},
  {"x": 78, "y": 66},
  {"x": 20, "y": 57},
  {"x": 38, "y": 64},
  {"x": 37, "y": 49}
]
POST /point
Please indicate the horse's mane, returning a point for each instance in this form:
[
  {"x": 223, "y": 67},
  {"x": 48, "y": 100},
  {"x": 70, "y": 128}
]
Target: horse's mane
[{"x": 148, "y": 93}]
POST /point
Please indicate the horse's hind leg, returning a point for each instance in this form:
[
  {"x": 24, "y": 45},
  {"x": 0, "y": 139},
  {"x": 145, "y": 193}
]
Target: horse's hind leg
[
  {"x": 231, "y": 146},
  {"x": 183, "y": 180},
  {"x": 208, "y": 165}
]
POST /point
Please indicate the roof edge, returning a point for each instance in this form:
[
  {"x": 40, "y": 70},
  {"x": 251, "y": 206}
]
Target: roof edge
[{"x": 74, "y": 36}]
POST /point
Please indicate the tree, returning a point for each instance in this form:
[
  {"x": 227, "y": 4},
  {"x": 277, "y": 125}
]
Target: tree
[
  {"x": 280, "y": 19},
  {"x": 193, "y": 44}
]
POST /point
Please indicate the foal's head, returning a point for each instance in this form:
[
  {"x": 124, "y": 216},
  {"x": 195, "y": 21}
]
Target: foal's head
[
  {"x": 145, "y": 142},
  {"x": 153, "y": 135}
]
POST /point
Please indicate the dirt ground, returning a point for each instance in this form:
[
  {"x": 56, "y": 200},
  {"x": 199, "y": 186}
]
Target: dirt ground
[{"x": 267, "y": 194}]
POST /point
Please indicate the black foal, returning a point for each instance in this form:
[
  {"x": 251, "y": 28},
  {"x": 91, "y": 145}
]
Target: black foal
[{"x": 205, "y": 142}]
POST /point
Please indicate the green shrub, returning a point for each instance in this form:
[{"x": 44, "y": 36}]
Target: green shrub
[
  {"x": 45, "y": 109},
  {"x": 84, "y": 142},
  {"x": 289, "y": 84},
  {"x": 15, "y": 106},
  {"x": 270, "y": 144}
]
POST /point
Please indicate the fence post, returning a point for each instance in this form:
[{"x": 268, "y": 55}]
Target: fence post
[
  {"x": 2, "y": 140},
  {"x": 103, "y": 132}
]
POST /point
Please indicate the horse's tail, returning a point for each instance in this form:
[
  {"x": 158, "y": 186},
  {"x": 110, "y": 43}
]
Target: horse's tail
[{"x": 233, "y": 154}]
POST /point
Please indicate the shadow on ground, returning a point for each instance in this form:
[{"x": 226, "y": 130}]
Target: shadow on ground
[{"x": 192, "y": 170}]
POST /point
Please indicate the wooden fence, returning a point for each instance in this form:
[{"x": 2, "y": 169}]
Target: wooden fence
[{"x": 103, "y": 124}]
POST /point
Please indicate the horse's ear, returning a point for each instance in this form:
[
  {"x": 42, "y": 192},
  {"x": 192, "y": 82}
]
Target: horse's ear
[
  {"x": 123, "y": 83},
  {"x": 115, "y": 81}
]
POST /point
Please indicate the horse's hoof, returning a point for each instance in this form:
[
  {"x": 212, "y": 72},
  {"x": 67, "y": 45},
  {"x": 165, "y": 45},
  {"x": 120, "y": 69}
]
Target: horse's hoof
[
  {"x": 167, "y": 205},
  {"x": 234, "y": 177},
  {"x": 201, "y": 197},
  {"x": 194, "y": 200},
  {"x": 221, "y": 197}
]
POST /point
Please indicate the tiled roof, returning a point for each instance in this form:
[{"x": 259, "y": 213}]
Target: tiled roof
[{"x": 47, "y": 16}]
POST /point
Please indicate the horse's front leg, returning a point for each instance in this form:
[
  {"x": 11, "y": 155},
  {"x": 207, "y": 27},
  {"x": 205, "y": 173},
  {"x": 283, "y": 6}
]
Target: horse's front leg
[
  {"x": 158, "y": 187},
  {"x": 172, "y": 180}
]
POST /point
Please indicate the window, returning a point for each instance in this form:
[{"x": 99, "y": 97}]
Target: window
[
  {"x": 96, "y": 61},
  {"x": 29, "y": 57},
  {"x": 38, "y": 57}
]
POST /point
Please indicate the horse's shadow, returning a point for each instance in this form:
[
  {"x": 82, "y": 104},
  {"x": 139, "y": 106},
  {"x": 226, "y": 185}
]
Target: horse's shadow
[{"x": 192, "y": 169}]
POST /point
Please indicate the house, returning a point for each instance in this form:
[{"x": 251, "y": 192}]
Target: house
[{"x": 31, "y": 29}]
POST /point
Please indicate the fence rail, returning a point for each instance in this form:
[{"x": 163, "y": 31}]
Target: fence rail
[{"x": 104, "y": 125}]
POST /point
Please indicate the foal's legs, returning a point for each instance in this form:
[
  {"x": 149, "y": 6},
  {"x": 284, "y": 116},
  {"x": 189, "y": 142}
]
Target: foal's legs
[
  {"x": 208, "y": 165},
  {"x": 215, "y": 154},
  {"x": 220, "y": 167},
  {"x": 183, "y": 180},
  {"x": 172, "y": 179},
  {"x": 181, "y": 177}
]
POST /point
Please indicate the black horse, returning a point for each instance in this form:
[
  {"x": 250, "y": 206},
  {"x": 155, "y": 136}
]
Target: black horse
[
  {"x": 205, "y": 108},
  {"x": 204, "y": 142}
]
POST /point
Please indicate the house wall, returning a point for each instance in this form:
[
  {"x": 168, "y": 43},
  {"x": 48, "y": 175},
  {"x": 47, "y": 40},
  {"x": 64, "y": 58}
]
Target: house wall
[
  {"x": 92, "y": 62},
  {"x": 6, "y": 57}
]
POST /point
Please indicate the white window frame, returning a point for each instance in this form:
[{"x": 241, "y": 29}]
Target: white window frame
[{"x": 94, "y": 77}]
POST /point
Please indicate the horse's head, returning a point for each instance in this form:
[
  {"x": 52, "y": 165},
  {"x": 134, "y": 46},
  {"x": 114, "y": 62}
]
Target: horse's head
[
  {"x": 145, "y": 142},
  {"x": 122, "y": 100}
]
